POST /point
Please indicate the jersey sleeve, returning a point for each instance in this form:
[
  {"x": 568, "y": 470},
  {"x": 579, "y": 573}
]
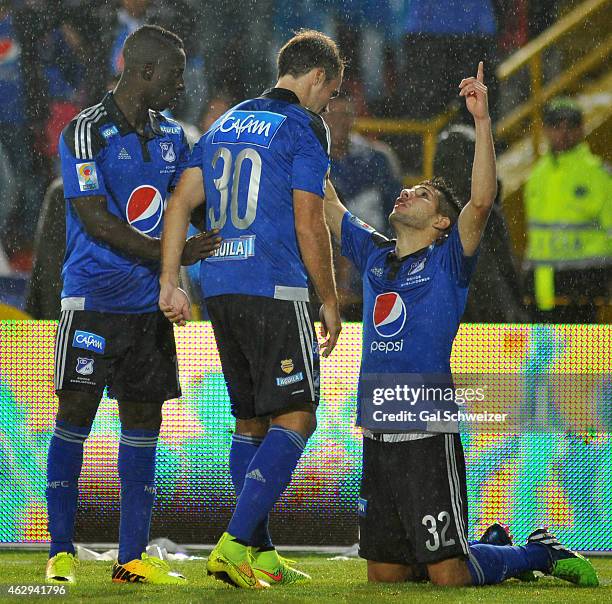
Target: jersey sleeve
[
  {"x": 311, "y": 160},
  {"x": 358, "y": 240},
  {"x": 81, "y": 168},
  {"x": 197, "y": 154},
  {"x": 461, "y": 267}
]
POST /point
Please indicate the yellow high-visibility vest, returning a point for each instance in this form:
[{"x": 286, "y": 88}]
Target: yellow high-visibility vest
[{"x": 568, "y": 207}]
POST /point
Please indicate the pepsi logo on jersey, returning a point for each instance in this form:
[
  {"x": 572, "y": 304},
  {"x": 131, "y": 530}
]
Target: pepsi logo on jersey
[
  {"x": 145, "y": 208},
  {"x": 388, "y": 318},
  {"x": 389, "y": 314}
]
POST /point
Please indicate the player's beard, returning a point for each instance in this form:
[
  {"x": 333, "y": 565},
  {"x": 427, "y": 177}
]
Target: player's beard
[{"x": 411, "y": 222}]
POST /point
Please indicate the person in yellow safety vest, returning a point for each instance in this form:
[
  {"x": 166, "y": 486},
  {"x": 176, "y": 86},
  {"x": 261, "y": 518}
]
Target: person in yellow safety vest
[{"x": 568, "y": 207}]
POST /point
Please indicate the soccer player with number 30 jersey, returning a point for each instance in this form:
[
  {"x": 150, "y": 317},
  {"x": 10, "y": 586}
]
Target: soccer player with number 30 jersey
[{"x": 261, "y": 168}]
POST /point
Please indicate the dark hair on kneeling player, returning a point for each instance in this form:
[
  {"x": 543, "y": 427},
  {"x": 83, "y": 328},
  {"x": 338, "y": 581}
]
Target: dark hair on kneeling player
[{"x": 448, "y": 201}]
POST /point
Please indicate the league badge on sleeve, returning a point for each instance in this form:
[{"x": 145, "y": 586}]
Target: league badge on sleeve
[{"x": 88, "y": 177}]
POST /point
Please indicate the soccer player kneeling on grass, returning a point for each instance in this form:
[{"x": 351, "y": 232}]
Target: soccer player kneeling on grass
[{"x": 413, "y": 513}]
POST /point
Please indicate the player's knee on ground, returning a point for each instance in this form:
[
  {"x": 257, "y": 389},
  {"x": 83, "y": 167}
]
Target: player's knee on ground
[
  {"x": 382, "y": 572},
  {"x": 301, "y": 419},
  {"x": 140, "y": 416},
  {"x": 77, "y": 408},
  {"x": 449, "y": 573}
]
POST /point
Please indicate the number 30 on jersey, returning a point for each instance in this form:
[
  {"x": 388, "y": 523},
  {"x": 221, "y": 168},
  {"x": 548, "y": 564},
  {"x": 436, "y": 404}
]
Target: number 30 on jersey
[{"x": 222, "y": 185}]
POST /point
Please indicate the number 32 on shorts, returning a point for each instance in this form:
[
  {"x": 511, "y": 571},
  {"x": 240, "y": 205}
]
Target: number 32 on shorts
[{"x": 438, "y": 535}]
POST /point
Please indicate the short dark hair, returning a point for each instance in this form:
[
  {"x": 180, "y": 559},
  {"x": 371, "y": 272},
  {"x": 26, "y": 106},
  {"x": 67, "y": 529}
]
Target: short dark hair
[
  {"x": 143, "y": 45},
  {"x": 307, "y": 50},
  {"x": 448, "y": 201}
]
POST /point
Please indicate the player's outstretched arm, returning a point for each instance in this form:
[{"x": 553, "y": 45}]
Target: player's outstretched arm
[
  {"x": 315, "y": 249},
  {"x": 188, "y": 194},
  {"x": 334, "y": 210},
  {"x": 474, "y": 216}
]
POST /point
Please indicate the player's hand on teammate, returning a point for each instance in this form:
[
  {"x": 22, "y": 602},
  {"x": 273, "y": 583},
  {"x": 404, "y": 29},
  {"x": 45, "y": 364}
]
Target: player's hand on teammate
[
  {"x": 476, "y": 95},
  {"x": 331, "y": 325},
  {"x": 200, "y": 246},
  {"x": 175, "y": 304}
]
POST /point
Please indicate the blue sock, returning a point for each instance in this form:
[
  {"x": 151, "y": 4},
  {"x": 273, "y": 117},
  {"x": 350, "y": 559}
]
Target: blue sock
[
  {"x": 64, "y": 462},
  {"x": 242, "y": 452},
  {"x": 491, "y": 564},
  {"x": 137, "y": 474},
  {"x": 268, "y": 475}
]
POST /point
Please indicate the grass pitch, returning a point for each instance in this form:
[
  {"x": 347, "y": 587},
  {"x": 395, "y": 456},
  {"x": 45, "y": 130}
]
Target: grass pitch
[{"x": 334, "y": 581}]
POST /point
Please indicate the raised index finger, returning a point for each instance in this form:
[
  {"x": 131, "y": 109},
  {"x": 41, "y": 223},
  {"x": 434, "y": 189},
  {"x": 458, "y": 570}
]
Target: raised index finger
[{"x": 480, "y": 74}]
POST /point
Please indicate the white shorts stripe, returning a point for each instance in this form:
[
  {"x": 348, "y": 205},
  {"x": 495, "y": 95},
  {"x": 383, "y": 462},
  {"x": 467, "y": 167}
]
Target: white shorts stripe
[
  {"x": 306, "y": 338},
  {"x": 453, "y": 483},
  {"x": 59, "y": 339},
  {"x": 460, "y": 499},
  {"x": 66, "y": 340},
  {"x": 309, "y": 336},
  {"x": 303, "y": 345}
]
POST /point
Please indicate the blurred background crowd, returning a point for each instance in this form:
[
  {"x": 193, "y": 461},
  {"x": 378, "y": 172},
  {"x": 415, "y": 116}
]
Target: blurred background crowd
[{"x": 546, "y": 255}]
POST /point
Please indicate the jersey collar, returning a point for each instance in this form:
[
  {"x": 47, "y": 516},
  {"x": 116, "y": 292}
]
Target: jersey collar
[
  {"x": 394, "y": 264},
  {"x": 281, "y": 94},
  {"x": 392, "y": 257},
  {"x": 123, "y": 125}
]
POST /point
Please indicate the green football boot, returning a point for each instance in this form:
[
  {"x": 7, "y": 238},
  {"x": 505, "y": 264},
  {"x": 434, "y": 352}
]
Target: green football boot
[
  {"x": 564, "y": 563},
  {"x": 61, "y": 568},
  {"x": 274, "y": 569},
  {"x": 229, "y": 562}
]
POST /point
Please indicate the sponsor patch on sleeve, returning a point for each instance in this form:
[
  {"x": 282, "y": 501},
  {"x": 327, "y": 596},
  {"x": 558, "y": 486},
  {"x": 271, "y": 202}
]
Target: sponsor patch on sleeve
[{"x": 88, "y": 176}]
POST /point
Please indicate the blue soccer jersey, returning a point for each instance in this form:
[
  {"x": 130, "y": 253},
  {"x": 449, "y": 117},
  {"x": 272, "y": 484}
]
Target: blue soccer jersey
[
  {"x": 412, "y": 306},
  {"x": 102, "y": 155},
  {"x": 252, "y": 159}
]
